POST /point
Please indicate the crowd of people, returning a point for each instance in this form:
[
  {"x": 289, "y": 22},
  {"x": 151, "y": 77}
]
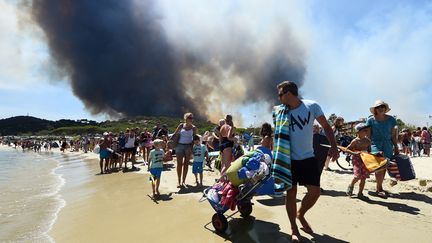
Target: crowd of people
[
  {"x": 295, "y": 160},
  {"x": 415, "y": 143},
  {"x": 117, "y": 150}
]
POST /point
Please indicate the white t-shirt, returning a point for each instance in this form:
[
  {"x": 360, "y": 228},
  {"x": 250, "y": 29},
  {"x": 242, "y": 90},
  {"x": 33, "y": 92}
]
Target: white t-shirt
[{"x": 301, "y": 129}]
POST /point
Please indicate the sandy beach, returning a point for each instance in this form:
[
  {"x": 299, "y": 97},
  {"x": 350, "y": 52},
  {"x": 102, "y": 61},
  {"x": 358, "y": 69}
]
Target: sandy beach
[{"x": 117, "y": 207}]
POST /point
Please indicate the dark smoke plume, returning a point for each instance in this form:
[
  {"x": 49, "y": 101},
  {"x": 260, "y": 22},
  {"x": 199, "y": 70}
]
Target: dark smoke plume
[{"x": 119, "y": 59}]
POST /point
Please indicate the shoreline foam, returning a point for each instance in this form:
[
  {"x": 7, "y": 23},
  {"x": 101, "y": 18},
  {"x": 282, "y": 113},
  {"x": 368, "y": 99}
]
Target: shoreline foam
[
  {"x": 58, "y": 197},
  {"x": 36, "y": 196}
]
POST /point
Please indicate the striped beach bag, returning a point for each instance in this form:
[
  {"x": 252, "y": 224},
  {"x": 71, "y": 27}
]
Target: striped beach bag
[{"x": 401, "y": 168}]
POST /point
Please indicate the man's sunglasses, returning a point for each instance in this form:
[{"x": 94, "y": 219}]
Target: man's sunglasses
[{"x": 281, "y": 94}]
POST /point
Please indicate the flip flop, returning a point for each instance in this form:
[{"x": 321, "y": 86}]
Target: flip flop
[
  {"x": 362, "y": 197},
  {"x": 305, "y": 225},
  {"x": 381, "y": 194},
  {"x": 386, "y": 192},
  {"x": 307, "y": 230},
  {"x": 295, "y": 238},
  {"x": 349, "y": 191}
]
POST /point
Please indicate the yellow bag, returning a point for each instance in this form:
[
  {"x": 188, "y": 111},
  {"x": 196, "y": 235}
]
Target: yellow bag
[{"x": 373, "y": 163}]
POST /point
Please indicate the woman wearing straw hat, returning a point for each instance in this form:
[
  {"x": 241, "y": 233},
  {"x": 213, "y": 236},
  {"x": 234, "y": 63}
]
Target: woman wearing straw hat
[{"x": 384, "y": 137}]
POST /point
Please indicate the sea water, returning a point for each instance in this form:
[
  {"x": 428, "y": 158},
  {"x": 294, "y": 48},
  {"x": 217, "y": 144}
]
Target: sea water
[{"x": 29, "y": 194}]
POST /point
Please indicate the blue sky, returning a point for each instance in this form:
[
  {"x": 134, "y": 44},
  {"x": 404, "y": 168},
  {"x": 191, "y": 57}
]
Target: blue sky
[{"x": 355, "y": 52}]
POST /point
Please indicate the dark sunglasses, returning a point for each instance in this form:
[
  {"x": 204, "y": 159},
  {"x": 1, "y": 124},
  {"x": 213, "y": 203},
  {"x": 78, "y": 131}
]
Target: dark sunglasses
[
  {"x": 381, "y": 106},
  {"x": 190, "y": 118},
  {"x": 281, "y": 94}
]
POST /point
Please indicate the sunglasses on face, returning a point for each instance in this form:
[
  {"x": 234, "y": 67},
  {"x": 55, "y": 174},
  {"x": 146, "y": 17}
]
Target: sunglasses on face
[
  {"x": 191, "y": 118},
  {"x": 381, "y": 107},
  {"x": 281, "y": 94}
]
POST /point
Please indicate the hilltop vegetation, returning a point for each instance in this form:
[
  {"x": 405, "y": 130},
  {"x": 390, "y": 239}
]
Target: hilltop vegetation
[{"x": 27, "y": 125}]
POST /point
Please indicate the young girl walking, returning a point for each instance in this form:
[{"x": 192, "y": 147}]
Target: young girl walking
[{"x": 360, "y": 143}]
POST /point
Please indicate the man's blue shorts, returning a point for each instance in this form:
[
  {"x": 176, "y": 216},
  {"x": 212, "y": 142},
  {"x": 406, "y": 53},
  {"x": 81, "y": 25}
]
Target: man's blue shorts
[
  {"x": 197, "y": 167},
  {"x": 156, "y": 172},
  {"x": 104, "y": 154}
]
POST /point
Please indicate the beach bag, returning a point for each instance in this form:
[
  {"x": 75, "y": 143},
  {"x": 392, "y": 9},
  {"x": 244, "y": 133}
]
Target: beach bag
[
  {"x": 168, "y": 156},
  {"x": 401, "y": 168},
  {"x": 96, "y": 150},
  {"x": 174, "y": 140},
  {"x": 267, "y": 187},
  {"x": 372, "y": 162}
]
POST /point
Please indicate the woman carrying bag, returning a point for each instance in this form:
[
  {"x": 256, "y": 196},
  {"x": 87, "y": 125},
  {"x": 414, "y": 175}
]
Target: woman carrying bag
[{"x": 384, "y": 138}]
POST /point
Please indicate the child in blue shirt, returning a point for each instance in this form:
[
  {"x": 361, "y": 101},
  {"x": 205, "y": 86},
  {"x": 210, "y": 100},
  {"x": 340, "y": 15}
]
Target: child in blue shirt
[
  {"x": 199, "y": 153},
  {"x": 156, "y": 165}
]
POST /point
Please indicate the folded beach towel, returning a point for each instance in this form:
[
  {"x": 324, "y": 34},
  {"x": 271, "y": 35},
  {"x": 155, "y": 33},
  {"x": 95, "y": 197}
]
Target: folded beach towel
[
  {"x": 281, "y": 168},
  {"x": 228, "y": 196},
  {"x": 372, "y": 162}
]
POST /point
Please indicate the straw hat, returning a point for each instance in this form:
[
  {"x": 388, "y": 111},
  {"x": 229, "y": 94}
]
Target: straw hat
[{"x": 379, "y": 103}]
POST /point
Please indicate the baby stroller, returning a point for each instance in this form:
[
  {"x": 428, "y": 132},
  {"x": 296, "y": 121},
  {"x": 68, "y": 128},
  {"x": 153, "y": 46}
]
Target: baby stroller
[{"x": 237, "y": 192}]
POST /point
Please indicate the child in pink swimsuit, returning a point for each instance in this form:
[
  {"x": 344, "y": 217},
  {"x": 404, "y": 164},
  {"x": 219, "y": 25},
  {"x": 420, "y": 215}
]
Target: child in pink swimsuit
[{"x": 360, "y": 143}]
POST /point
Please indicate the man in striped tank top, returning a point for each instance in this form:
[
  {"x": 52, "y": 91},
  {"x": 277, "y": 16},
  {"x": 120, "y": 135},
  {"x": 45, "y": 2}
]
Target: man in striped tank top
[{"x": 294, "y": 159}]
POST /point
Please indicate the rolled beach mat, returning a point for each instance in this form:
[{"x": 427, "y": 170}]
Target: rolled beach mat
[
  {"x": 236, "y": 165},
  {"x": 232, "y": 172}
]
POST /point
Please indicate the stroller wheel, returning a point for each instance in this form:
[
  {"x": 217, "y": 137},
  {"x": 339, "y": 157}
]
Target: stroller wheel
[
  {"x": 245, "y": 209},
  {"x": 219, "y": 222}
]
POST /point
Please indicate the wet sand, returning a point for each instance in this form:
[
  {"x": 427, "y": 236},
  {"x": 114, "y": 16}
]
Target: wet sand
[{"x": 118, "y": 207}]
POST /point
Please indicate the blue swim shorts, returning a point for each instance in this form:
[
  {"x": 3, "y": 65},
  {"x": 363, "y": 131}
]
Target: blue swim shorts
[
  {"x": 104, "y": 154},
  {"x": 156, "y": 172},
  {"x": 197, "y": 167}
]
